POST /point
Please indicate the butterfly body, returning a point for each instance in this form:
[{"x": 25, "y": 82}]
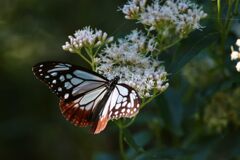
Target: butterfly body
[
  {"x": 86, "y": 97},
  {"x": 99, "y": 108}
]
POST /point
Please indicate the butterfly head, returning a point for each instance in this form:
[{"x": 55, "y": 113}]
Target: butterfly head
[{"x": 115, "y": 80}]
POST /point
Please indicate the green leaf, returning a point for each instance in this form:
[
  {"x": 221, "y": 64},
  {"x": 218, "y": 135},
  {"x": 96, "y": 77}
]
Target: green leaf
[{"x": 190, "y": 47}]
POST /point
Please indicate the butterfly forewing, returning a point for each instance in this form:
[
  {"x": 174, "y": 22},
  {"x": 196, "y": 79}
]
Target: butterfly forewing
[{"x": 67, "y": 81}]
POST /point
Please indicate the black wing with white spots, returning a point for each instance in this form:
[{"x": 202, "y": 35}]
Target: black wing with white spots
[
  {"x": 67, "y": 81},
  {"x": 87, "y": 98}
]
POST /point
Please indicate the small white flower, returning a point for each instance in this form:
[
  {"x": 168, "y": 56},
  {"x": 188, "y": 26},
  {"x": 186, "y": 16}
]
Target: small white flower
[
  {"x": 138, "y": 38},
  {"x": 182, "y": 6},
  {"x": 132, "y": 8},
  {"x": 86, "y": 37},
  {"x": 238, "y": 66},
  {"x": 235, "y": 55},
  {"x": 238, "y": 43},
  {"x": 151, "y": 46}
]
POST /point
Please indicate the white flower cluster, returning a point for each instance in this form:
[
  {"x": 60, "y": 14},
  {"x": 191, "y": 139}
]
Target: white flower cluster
[
  {"x": 132, "y": 8},
  {"x": 236, "y": 55},
  {"x": 180, "y": 16},
  {"x": 144, "y": 44},
  {"x": 88, "y": 38},
  {"x": 126, "y": 60}
]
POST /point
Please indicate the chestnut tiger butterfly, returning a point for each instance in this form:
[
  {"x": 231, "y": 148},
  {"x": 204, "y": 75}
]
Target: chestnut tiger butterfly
[{"x": 86, "y": 97}]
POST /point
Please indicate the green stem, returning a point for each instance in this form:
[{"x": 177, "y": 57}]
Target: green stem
[
  {"x": 225, "y": 26},
  {"x": 90, "y": 55},
  {"x": 219, "y": 9},
  {"x": 236, "y": 7},
  {"x": 97, "y": 51},
  {"x": 228, "y": 17},
  {"x": 129, "y": 123},
  {"x": 94, "y": 55},
  {"x": 121, "y": 147},
  {"x": 220, "y": 24},
  {"x": 150, "y": 99},
  {"x": 84, "y": 58},
  {"x": 170, "y": 45}
]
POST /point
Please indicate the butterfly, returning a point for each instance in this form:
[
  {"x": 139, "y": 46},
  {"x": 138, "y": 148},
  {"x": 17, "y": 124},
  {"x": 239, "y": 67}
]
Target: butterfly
[{"x": 86, "y": 97}]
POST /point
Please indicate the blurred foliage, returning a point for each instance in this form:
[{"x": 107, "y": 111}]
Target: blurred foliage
[
  {"x": 223, "y": 110},
  {"x": 196, "y": 119}
]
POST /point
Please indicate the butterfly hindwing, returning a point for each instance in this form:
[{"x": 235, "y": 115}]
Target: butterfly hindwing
[{"x": 123, "y": 102}]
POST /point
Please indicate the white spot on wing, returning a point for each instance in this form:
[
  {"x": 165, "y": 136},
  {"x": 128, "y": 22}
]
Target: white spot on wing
[
  {"x": 132, "y": 99},
  {"x": 76, "y": 105},
  {"x": 54, "y": 81},
  {"x": 76, "y": 81},
  {"x": 58, "y": 69},
  {"x": 123, "y": 91},
  {"x": 66, "y": 96},
  {"x": 67, "y": 85},
  {"x": 134, "y": 93},
  {"x": 124, "y": 104},
  {"x": 120, "y": 98},
  {"x": 77, "y": 100},
  {"x": 62, "y": 78},
  {"x": 69, "y": 65},
  {"x": 118, "y": 106},
  {"x": 60, "y": 65},
  {"x": 53, "y": 73},
  {"x": 69, "y": 76},
  {"x": 85, "y": 75}
]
